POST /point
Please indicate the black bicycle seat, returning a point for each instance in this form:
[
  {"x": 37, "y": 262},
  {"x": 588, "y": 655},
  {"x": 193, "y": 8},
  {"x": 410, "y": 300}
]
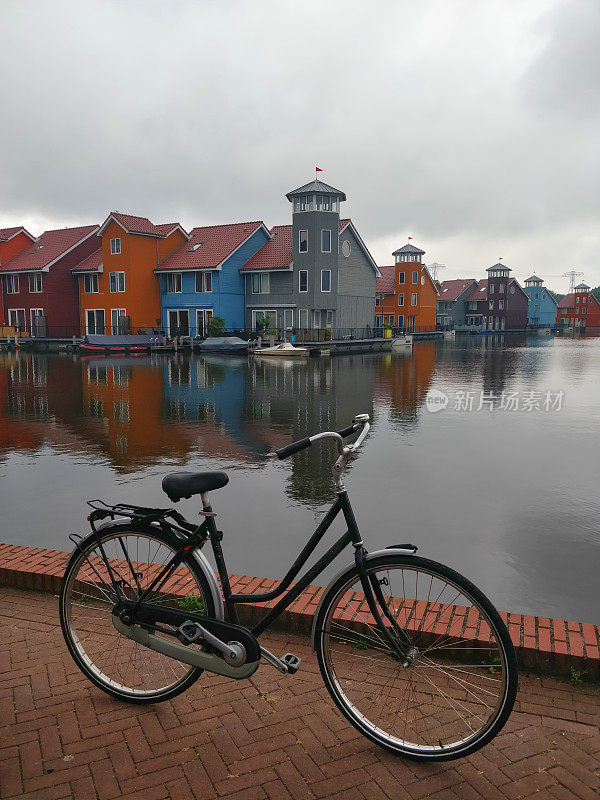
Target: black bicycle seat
[{"x": 185, "y": 484}]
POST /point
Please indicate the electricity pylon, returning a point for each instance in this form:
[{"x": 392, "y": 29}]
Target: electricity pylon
[
  {"x": 572, "y": 275},
  {"x": 435, "y": 268}
]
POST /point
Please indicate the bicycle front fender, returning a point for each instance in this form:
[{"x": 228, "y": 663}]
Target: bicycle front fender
[{"x": 401, "y": 551}]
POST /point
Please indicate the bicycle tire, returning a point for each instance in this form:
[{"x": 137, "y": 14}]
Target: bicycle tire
[{"x": 342, "y": 627}]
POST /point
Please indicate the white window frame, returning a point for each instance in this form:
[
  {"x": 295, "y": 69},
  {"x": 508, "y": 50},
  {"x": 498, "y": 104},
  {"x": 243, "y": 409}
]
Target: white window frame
[
  {"x": 178, "y": 311},
  {"x": 205, "y": 282},
  {"x": 501, "y": 305},
  {"x": 323, "y": 272},
  {"x": 172, "y": 279},
  {"x": 206, "y": 314},
  {"x": 115, "y": 247},
  {"x": 33, "y": 276},
  {"x": 492, "y": 288},
  {"x": 415, "y": 277},
  {"x": 401, "y": 299},
  {"x": 329, "y": 318},
  {"x": 300, "y": 232},
  {"x": 414, "y": 299},
  {"x": 303, "y": 312},
  {"x": 89, "y": 277},
  {"x": 288, "y": 318},
  {"x": 15, "y": 312},
  {"x": 33, "y": 313},
  {"x": 117, "y": 311},
  {"x": 401, "y": 278},
  {"x": 271, "y": 312},
  {"x": 316, "y": 318},
  {"x": 400, "y": 320},
  {"x": 491, "y": 305},
  {"x": 94, "y": 311},
  {"x": 300, "y": 273},
  {"x": 115, "y": 275},
  {"x": 12, "y": 281},
  {"x": 377, "y": 301},
  {"x": 326, "y": 230},
  {"x": 264, "y": 283}
]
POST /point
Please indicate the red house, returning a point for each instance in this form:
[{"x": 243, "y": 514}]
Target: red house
[
  {"x": 41, "y": 296},
  {"x": 579, "y": 309},
  {"x": 12, "y": 241}
]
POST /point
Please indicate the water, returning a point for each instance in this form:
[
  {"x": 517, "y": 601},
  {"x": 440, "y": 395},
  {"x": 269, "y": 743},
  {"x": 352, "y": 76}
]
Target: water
[{"x": 508, "y": 497}]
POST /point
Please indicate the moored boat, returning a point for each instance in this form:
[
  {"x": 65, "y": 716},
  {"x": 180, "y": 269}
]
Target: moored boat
[{"x": 283, "y": 350}]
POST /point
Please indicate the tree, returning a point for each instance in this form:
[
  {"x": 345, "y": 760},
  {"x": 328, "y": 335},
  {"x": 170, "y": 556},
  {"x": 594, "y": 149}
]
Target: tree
[
  {"x": 596, "y": 293},
  {"x": 556, "y": 295},
  {"x": 216, "y": 326}
]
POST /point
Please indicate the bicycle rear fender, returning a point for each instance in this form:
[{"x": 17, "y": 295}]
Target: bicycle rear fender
[{"x": 400, "y": 551}]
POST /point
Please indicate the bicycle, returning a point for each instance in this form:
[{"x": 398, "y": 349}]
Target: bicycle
[{"x": 412, "y": 653}]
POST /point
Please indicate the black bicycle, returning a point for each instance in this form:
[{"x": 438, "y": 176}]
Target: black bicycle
[{"x": 412, "y": 653}]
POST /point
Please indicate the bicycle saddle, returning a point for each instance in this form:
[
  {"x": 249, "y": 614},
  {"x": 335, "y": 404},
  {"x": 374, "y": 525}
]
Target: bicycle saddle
[{"x": 185, "y": 484}]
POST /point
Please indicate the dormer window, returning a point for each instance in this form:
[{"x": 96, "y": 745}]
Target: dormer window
[{"x": 195, "y": 247}]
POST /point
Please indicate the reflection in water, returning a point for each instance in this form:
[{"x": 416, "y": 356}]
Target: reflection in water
[{"x": 460, "y": 484}]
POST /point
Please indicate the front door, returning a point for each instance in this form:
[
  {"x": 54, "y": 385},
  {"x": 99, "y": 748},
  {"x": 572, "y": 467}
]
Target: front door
[
  {"x": 179, "y": 324},
  {"x": 95, "y": 320},
  {"x": 38, "y": 322},
  {"x": 16, "y": 318},
  {"x": 288, "y": 318},
  {"x": 118, "y": 321},
  {"x": 203, "y": 316}
]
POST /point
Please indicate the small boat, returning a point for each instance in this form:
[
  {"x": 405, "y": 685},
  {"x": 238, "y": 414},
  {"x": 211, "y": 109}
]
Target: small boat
[
  {"x": 127, "y": 343},
  {"x": 283, "y": 350},
  {"x": 404, "y": 340},
  {"x": 223, "y": 344}
]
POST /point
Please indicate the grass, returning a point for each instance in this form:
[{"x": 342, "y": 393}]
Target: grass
[{"x": 191, "y": 602}]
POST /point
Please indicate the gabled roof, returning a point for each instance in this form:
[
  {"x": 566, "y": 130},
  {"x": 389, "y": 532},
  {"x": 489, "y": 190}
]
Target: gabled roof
[
  {"x": 316, "y": 186},
  {"x": 387, "y": 283},
  {"x": 568, "y": 300},
  {"x": 209, "y": 246},
  {"x": 93, "y": 263},
  {"x": 409, "y": 248},
  {"x": 51, "y": 245},
  {"x": 274, "y": 254},
  {"x": 480, "y": 292},
  {"x": 9, "y": 233},
  {"x": 140, "y": 225},
  {"x": 347, "y": 223},
  {"x": 452, "y": 290}
]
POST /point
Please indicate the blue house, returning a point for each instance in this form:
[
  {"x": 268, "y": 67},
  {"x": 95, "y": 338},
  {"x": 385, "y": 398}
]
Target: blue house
[
  {"x": 202, "y": 279},
  {"x": 542, "y": 306}
]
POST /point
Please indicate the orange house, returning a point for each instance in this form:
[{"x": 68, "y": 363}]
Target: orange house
[
  {"x": 405, "y": 295},
  {"x": 12, "y": 241},
  {"x": 118, "y": 290}
]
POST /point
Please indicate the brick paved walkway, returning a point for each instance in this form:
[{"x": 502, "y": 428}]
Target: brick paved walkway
[{"x": 275, "y": 738}]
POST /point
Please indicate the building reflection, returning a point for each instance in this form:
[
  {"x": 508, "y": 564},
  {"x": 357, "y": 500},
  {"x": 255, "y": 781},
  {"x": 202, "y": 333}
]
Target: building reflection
[{"x": 403, "y": 380}]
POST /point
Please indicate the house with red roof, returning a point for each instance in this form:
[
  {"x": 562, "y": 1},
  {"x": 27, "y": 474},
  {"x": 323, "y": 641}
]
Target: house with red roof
[
  {"x": 579, "y": 309},
  {"x": 12, "y": 241},
  {"x": 315, "y": 274},
  {"x": 497, "y": 303},
  {"x": 202, "y": 277},
  {"x": 40, "y": 295},
  {"x": 406, "y": 293},
  {"x": 118, "y": 290},
  {"x": 451, "y": 302}
]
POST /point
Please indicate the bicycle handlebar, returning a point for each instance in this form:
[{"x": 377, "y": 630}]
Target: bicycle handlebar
[{"x": 295, "y": 447}]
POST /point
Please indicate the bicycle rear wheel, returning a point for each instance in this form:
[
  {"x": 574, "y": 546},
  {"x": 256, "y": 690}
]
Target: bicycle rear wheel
[
  {"x": 454, "y": 689},
  {"x": 113, "y": 662}
]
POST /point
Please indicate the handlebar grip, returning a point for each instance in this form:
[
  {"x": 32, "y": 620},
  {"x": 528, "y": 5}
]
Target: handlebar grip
[
  {"x": 292, "y": 448},
  {"x": 348, "y": 431}
]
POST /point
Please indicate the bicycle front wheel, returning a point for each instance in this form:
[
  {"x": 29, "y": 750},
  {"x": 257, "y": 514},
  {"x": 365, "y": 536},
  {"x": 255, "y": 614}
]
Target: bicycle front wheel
[
  {"x": 116, "y": 664},
  {"x": 454, "y": 687}
]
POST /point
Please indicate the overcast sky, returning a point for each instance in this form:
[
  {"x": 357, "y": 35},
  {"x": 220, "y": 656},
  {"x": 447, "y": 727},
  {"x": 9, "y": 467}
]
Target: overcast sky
[{"x": 470, "y": 126}]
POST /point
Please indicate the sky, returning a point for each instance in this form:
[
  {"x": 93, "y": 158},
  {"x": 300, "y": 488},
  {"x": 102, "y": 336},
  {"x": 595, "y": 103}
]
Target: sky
[{"x": 470, "y": 126}]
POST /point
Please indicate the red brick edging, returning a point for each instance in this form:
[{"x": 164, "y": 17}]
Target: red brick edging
[{"x": 543, "y": 644}]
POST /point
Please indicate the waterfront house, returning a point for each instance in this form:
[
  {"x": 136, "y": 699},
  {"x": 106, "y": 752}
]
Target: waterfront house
[
  {"x": 118, "y": 290},
  {"x": 406, "y": 292},
  {"x": 452, "y": 302},
  {"x": 579, "y": 309},
  {"x": 12, "y": 241},
  {"x": 202, "y": 278},
  {"x": 316, "y": 273},
  {"x": 542, "y": 306},
  {"x": 498, "y": 302},
  {"x": 40, "y": 294}
]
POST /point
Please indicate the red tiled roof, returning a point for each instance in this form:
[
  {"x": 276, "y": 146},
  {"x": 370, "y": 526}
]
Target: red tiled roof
[
  {"x": 278, "y": 253},
  {"x": 8, "y": 233},
  {"x": 217, "y": 242},
  {"x": 142, "y": 225},
  {"x": 450, "y": 290},
  {"x": 90, "y": 264},
  {"x": 477, "y": 294},
  {"x": 50, "y": 246},
  {"x": 385, "y": 284},
  {"x": 568, "y": 300}
]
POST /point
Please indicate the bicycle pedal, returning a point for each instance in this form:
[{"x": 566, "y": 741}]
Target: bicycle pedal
[{"x": 292, "y": 662}]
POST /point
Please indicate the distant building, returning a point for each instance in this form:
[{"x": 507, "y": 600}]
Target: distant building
[
  {"x": 40, "y": 294},
  {"x": 497, "y": 303},
  {"x": 202, "y": 279},
  {"x": 315, "y": 273},
  {"x": 542, "y": 306},
  {"x": 406, "y": 293},
  {"x": 579, "y": 309},
  {"x": 12, "y": 241},
  {"x": 451, "y": 302}
]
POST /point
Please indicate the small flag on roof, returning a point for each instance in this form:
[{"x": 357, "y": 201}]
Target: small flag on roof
[{"x": 318, "y": 169}]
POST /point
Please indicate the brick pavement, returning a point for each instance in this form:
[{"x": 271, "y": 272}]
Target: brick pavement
[{"x": 272, "y": 738}]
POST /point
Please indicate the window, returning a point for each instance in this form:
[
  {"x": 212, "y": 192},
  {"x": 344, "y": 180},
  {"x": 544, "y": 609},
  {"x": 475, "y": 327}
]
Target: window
[
  {"x": 325, "y": 240},
  {"x": 577, "y": 299},
  {"x": 400, "y": 299},
  {"x": 38, "y": 322},
  {"x": 12, "y": 284},
  {"x": 415, "y": 277},
  {"x": 584, "y": 297},
  {"x": 306, "y": 201},
  {"x": 119, "y": 322},
  {"x": 377, "y": 301},
  {"x": 400, "y": 320},
  {"x": 303, "y": 318},
  {"x": 115, "y": 247},
  {"x": 303, "y": 241},
  {"x": 35, "y": 282},
  {"x": 501, "y": 288},
  {"x": 316, "y": 319},
  {"x": 90, "y": 284},
  {"x": 203, "y": 317},
  {"x": 329, "y": 319},
  {"x": 117, "y": 281},
  {"x": 491, "y": 305},
  {"x": 173, "y": 282},
  {"x": 121, "y": 409},
  {"x": 323, "y": 202},
  {"x": 204, "y": 281},
  {"x": 413, "y": 299},
  {"x": 401, "y": 278},
  {"x": 583, "y": 310},
  {"x": 422, "y": 280},
  {"x": 95, "y": 320},
  {"x": 492, "y": 287},
  {"x": 303, "y": 280},
  {"x": 501, "y": 305},
  {"x": 261, "y": 283},
  {"x": 325, "y": 280}
]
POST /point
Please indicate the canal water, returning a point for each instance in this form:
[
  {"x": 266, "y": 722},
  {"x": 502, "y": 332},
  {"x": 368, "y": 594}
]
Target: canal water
[{"x": 484, "y": 452}]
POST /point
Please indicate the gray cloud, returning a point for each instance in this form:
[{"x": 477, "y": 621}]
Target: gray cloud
[{"x": 467, "y": 126}]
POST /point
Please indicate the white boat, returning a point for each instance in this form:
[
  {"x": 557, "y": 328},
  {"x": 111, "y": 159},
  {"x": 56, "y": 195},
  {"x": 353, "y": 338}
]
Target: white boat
[
  {"x": 283, "y": 350},
  {"x": 402, "y": 341}
]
